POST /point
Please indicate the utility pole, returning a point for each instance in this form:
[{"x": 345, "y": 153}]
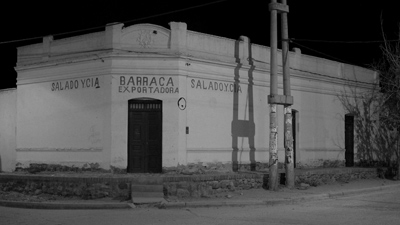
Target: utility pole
[
  {"x": 273, "y": 125},
  {"x": 288, "y": 136},
  {"x": 275, "y": 99}
]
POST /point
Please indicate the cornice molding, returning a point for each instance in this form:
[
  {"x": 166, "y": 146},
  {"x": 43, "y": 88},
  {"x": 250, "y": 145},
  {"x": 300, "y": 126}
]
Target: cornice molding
[{"x": 95, "y": 149}]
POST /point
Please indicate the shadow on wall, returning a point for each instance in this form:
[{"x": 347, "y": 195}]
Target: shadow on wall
[{"x": 241, "y": 129}]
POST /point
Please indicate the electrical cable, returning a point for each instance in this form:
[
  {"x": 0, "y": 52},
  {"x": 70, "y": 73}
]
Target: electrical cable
[
  {"x": 168, "y": 54},
  {"x": 319, "y": 52},
  {"x": 128, "y": 21},
  {"x": 344, "y": 42}
]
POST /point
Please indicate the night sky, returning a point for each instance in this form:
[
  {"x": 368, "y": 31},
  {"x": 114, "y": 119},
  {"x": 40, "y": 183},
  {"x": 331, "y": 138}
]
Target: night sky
[{"x": 315, "y": 26}]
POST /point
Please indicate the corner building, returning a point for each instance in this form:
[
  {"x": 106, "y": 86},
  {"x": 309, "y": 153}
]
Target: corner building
[{"x": 144, "y": 98}]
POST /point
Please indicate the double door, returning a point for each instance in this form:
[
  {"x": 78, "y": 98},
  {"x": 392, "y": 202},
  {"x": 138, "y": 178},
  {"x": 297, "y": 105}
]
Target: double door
[{"x": 145, "y": 136}]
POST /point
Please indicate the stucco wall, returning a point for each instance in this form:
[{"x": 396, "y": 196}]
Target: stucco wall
[
  {"x": 8, "y": 111},
  {"x": 228, "y": 112},
  {"x": 320, "y": 127},
  {"x": 224, "y": 82},
  {"x": 166, "y": 89},
  {"x": 61, "y": 119}
]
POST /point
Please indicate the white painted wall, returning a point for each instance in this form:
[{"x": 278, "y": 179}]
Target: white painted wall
[
  {"x": 321, "y": 127},
  {"x": 218, "y": 107},
  {"x": 8, "y": 111},
  {"x": 165, "y": 88},
  {"x": 83, "y": 125},
  {"x": 62, "y": 121},
  {"x": 211, "y": 112}
]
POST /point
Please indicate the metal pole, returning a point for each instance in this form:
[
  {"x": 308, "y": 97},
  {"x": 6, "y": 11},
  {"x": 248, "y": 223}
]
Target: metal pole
[
  {"x": 288, "y": 137},
  {"x": 273, "y": 137}
]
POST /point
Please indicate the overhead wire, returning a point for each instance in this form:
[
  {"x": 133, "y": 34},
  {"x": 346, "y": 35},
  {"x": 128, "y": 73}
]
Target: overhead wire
[
  {"x": 292, "y": 40},
  {"x": 296, "y": 41},
  {"x": 253, "y": 59},
  {"x": 321, "y": 53},
  {"x": 127, "y": 21},
  {"x": 344, "y": 42}
]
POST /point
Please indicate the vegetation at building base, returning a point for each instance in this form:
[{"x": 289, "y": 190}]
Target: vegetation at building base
[
  {"x": 44, "y": 167},
  {"x": 389, "y": 75},
  {"x": 56, "y": 187},
  {"x": 377, "y": 113},
  {"x": 189, "y": 169}
]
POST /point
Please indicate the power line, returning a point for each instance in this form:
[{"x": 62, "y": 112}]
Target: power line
[
  {"x": 321, "y": 53},
  {"x": 128, "y": 21},
  {"x": 337, "y": 78},
  {"x": 344, "y": 42}
]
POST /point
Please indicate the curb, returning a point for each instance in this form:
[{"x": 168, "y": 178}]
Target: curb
[
  {"x": 276, "y": 201},
  {"x": 192, "y": 204},
  {"x": 273, "y": 202},
  {"x": 361, "y": 191},
  {"x": 63, "y": 205}
]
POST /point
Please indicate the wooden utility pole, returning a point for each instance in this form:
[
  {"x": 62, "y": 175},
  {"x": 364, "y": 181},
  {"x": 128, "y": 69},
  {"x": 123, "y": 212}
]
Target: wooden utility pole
[{"x": 275, "y": 99}]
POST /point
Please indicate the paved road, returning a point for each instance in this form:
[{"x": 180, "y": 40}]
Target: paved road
[{"x": 381, "y": 207}]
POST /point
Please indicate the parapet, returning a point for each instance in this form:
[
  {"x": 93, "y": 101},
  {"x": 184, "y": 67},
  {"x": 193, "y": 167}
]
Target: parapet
[{"x": 178, "y": 41}]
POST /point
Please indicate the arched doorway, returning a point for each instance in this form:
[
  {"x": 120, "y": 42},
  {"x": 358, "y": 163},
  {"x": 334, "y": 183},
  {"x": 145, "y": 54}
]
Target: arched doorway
[{"x": 144, "y": 136}]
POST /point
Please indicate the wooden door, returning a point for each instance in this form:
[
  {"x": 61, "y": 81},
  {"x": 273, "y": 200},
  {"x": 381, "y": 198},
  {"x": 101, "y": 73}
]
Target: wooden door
[
  {"x": 349, "y": 139},
  {"x": 145, "y": 136}
]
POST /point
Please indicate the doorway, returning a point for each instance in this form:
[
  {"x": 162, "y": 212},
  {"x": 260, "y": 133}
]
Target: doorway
[
  {"x": 144, "y": 136},
  {"x": 349, "y": 139},
  {"x": 295, "y": 134}
]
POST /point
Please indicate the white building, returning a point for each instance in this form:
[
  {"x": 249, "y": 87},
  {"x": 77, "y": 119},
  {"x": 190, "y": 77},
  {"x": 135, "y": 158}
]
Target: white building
[{"x": 144, "y": 97}]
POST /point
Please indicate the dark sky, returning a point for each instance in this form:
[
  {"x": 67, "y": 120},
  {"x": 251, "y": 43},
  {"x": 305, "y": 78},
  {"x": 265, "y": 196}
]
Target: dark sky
[{"x": 341, "y": 20}]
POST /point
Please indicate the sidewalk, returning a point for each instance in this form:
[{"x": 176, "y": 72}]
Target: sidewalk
[
  {"x": 284, "y": 195},
  {"x": 236, "y": 198}
]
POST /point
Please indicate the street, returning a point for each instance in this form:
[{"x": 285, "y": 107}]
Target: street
[{"x": 381, "y": 207}]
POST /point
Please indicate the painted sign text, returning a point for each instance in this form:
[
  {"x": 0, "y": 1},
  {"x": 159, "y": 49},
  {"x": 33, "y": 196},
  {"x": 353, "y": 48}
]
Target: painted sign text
[
  {"x": 215, "y": 86},
  {"x": 151, "y": 85},
  {"x": 92, "y": 82}
]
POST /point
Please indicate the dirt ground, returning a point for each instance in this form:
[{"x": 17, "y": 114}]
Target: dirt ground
[{"x": 16, "y": 196}]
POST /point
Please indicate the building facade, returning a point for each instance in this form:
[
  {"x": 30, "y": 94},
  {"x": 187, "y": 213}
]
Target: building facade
[{"x": 144, "y": 98}]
